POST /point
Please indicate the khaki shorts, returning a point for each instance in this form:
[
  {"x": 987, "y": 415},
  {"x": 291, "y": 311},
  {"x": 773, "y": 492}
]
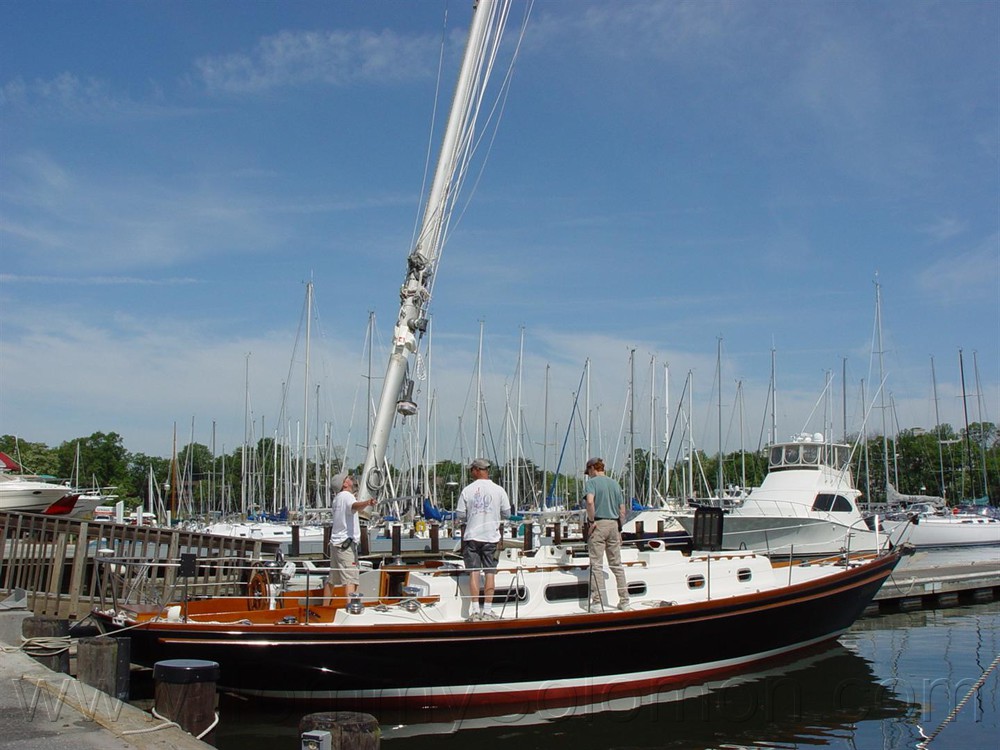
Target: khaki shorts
[{"x": 343, "y": 565}]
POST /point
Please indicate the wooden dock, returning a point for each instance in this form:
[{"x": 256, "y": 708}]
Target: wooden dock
[
  {"x": 941, "y": 578},
  {"x": 67, "y": 565}
]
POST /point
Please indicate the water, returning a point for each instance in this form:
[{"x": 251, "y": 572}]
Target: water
[{"x": 889, "y": 678}]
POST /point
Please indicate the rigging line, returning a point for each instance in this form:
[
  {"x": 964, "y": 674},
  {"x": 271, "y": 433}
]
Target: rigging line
[
  {"x": 674, "y": 424},
  {"x": 822, "y": 395},
  {"x": 469, "y": 147},
  {"x": 621, "y": 438},
  {"x": 499, "y": 106},
  {"x": 430, "y": 131},
  {"x": 562, "y": 452},
  {"x": 928, "y": 739}
]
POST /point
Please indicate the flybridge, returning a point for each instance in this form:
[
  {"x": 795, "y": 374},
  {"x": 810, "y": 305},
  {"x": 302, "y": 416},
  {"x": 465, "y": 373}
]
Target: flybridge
[{"x": 808, "y": 452}]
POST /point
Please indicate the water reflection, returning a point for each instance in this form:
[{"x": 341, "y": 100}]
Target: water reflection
[{"x": 816, "y": 699}]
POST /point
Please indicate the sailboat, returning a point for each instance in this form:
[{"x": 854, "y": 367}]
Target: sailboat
[{"x": 408, "y": 640}]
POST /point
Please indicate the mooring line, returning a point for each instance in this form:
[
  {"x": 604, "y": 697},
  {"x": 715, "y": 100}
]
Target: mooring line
[{"x": 922, "y": 745}]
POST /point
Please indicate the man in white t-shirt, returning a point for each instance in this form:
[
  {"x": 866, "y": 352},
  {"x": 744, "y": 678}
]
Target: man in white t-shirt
[
  {"x": 345, "y": 531},
  {"x": 481, "y": 506}
]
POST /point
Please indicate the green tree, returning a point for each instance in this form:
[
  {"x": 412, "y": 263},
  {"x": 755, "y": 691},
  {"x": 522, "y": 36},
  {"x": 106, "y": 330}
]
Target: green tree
[
  {"x": 103, "y": 460},
  {"x": 34, "y": 458}
]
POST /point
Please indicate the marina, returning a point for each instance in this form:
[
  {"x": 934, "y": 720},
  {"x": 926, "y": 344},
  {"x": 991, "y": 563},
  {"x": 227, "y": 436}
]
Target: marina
[
  {"x": 802, "y": 605},
  {"x": 928, "y": 594}
]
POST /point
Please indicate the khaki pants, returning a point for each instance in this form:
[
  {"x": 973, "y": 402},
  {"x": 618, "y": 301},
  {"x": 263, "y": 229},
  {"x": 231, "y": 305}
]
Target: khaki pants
[{"x": 605, "y": 539}]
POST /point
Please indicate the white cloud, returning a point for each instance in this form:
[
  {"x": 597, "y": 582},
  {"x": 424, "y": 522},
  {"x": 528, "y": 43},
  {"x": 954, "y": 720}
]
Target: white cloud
[
  {"x": 90, "y": 99},
  {"x": 78, "y": 219},
  {"x": 945, "y": 228},
  {"x": 335, "y": 58},
  {"x": 957, "y": 278}
]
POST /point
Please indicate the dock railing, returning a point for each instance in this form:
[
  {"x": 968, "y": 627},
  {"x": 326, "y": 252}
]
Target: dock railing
[{"x": 66, "y": 565}]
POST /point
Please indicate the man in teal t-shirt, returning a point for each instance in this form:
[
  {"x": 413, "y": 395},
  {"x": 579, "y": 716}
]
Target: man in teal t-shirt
[{"x": 605, "y": 513}]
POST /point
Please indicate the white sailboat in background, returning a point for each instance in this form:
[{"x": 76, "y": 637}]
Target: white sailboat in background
[{"x": 30, "y": 493}]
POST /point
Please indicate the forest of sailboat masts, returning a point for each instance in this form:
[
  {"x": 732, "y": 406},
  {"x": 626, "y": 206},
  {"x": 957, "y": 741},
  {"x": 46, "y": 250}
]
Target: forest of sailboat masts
[
  {"x": 206, "y": 483},
  {"x": 661, "y": 462}
]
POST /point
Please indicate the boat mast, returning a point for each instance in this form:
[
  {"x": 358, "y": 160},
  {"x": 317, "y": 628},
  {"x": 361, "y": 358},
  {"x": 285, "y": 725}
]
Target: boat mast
[
  {"x": 937, "y": 430},
  {"x": 304, "y": 469},
  {"x": 881, "y": 375},
  {"x": 487, "y": 25},
  {"x": 690, "y": 426},
  {"x": 967, "y": 469},
  {"x": 666, "y": 430},
  {"x": 244, "y": 458},
  {"x": 652, "y": 430},
  {"x": 718, "y": 377},
  {"x": 586, "y": 438},
  {"x": 982, "y": 425},
  {"x": 843, "y": 395},
  {"x": 518, "y": 432},
  {"x": 631, "y": 426},
  {"x": 545, "y": 436},
  {"x": 368, "y": 400},
  {"x": 743, "y": 452},
  {"x": 479, "y": 395},
  {"x": 774, "y": 402}
]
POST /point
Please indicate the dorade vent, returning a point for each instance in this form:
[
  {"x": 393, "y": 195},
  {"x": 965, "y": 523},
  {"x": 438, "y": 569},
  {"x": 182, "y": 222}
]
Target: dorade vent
[
  {"x": 696, "y": 581},
  {"x": 743, "y": 575}
]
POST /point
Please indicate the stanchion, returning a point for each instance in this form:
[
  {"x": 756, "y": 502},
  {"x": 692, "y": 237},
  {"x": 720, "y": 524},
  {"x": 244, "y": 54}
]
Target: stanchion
[
  {"x": 184, "y": 692},
  {"x": 343, "y": 730}
]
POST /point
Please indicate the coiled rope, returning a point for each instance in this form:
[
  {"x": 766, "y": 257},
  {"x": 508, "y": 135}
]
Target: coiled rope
[
  {"x": 928, "y": 739},
  {"x": 40, "y": 646}
]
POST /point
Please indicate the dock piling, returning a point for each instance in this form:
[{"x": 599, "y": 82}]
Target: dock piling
[
  {"x": 348, "y": 730},
  {"x": 184, "y": 692},
  {"x": 103, "y": 663},
  {"x": 38, "y": 631}
]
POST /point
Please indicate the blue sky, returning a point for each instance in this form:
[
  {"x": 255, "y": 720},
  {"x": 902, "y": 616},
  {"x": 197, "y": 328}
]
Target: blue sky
[{"x": 664, "y": 174}]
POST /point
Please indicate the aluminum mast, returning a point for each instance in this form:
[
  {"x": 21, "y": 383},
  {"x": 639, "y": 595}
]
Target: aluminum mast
[{"x": 487, "y": 25}]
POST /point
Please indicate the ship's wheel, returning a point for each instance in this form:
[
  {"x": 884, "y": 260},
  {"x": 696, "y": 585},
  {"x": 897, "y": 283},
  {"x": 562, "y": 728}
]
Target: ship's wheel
[{"x": 257, "y": 589}]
